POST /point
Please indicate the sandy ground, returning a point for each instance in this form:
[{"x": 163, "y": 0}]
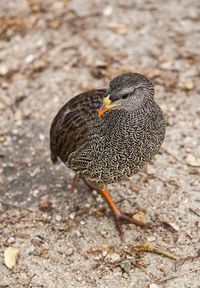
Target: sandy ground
[{"x": 51, "y": 51}]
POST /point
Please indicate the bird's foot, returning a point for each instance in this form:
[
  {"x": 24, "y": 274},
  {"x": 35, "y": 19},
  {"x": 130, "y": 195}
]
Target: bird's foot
[{"x": 120, "y": 217}]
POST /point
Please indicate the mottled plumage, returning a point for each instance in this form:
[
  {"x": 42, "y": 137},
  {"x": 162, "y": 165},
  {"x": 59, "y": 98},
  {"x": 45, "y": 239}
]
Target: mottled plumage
[{"x": 117, "y": 145}]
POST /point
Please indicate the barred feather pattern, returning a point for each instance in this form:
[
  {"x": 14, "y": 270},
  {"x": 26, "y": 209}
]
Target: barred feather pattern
[{"x": 107, "y": 149}]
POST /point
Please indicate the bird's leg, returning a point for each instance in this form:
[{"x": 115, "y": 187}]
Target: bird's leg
[
  {"x": 119, "y": 216},
  {"x": 74, "y": 182}
]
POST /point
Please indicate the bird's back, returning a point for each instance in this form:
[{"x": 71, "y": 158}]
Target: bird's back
[{"x": 73, "y": 124}]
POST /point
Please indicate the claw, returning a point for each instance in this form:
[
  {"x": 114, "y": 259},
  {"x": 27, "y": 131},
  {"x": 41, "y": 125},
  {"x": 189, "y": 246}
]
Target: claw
[
  {"x": 128, "y": 218},
  {"x": 119, "y": 216}
]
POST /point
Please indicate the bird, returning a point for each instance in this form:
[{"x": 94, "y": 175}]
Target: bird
[{"x": 107, "y": 135}]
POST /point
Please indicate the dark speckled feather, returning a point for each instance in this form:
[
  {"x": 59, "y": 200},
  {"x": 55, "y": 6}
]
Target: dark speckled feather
[
  {"x": 117, "y": 145},
  {"x": 71, "y": 127}
]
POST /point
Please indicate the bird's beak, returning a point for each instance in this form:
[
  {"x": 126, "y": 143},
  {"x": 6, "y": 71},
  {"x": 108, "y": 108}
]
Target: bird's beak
[{"x": 106, "y": 106}]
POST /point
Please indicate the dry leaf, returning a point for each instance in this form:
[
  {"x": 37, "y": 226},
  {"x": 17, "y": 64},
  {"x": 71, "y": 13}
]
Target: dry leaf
[
  {"x": 2, "y": 105},
  {"x": 188, "y": 85},
  {"x": 141, "y": 217},
  {"x": 153, "y": 285},
  {"x": 100, "y": 64},
  {"x": 45, "y": 203},
  {"x": 170, "y": 226},
  {"x": 11, "y": 254},
  {"x": 3, "y": 70},
  {"x": 119, "y": 28}
]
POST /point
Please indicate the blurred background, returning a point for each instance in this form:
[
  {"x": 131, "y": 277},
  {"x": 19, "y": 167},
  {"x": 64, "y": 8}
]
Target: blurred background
[{"x": 49, "y": 52}]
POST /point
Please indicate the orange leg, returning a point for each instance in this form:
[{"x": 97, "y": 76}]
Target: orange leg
[{"x": 117, "y": 213}]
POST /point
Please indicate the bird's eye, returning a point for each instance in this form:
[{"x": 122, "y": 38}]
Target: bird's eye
[{"x": 125, "y": 96}]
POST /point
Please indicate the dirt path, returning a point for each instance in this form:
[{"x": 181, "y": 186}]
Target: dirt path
[{"x": 49, "y": 52}]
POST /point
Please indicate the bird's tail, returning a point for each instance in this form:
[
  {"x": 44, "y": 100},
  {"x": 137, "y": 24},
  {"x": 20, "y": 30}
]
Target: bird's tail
[{"x": 54, "y": 158}]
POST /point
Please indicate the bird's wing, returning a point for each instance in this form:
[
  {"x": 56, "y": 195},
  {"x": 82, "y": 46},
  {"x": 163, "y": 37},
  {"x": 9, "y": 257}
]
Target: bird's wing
[{"x": 72, "y": 126}]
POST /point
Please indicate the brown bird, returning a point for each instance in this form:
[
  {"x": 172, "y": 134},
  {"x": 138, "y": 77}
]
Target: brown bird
[{"x": 107, "y": 135}]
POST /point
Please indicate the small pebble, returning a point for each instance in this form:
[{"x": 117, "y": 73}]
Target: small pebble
[
  {"x": 2, "y": 105},
  {"x": 188, "y": 85},
  {"x": 35, "y": 192},
  {"x": 41, "y": 137},
  {"x": 166, "y": 65},
  {"x": 119, "y": 28},
  {"x": 114, "y": 257},
  {"x": 99, "y": 199},
  {"x": 125, "y": 275},
  {"x": 11, "y": 240},
  {"x": 97, "y": 257},
  {"x": 15, "y": 131},
  {"x": 153, "y": 285},
  {"x": 108, "y": 11},
  {"x": 58, "y": 218},
  {"x": 191, "y": 160},
  {"x": 72, "y": 216},
  {"x": 3, "y": 70},
  {"x": 174, "y": 226},
  {"x": 104, "y": 253},
  {"x": 94, "y": 193},
  {"x": 151, "y": 238},
  {"x": 103, "y": 233},
  {"x": 69, "y": 252},
  {"x": 77, "y": 233},
  {"x": 31, "y": 250},
  {"x": 100, "y": 64},
  {"x": 29, "y": 58},
  {"x": 150, "y": 170}
]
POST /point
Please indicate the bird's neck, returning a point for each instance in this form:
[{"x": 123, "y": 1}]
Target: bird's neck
[
  {"x": 137, "y": 108},
  {"x": 139, "y": 115}
]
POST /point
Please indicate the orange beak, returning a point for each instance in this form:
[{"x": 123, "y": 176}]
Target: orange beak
[
  {"x": 101, "y": 110},
  {"x": 106, "y": 106}
]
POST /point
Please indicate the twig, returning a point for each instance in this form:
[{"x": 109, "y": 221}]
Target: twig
[
  {"x": 147, "y": 247},
  {"x": 179, "y": 275},
  {"x": 15, "y": 206},
  {"x": 83, "y": 17},
  {"x": 195, "y": 212},
  {"x": 188, "y": 258}
]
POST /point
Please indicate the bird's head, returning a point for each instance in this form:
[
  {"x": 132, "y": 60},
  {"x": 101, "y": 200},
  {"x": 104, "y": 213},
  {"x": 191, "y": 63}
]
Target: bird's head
[{"x": 127, "y": 92}]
